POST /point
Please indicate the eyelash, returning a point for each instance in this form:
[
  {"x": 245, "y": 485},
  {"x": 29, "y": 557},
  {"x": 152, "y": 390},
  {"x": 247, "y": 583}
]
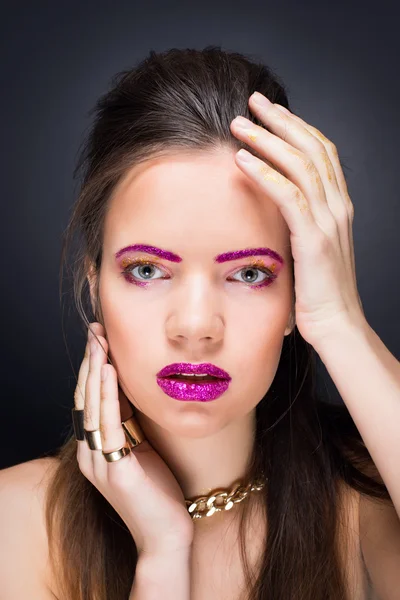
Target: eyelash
[{"x": 126, "y": 273}]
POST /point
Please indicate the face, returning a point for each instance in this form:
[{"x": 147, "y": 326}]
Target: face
[{"x": 194, "y": 309}]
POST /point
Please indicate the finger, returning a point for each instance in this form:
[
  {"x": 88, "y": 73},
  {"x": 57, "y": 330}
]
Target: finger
[
  {"x": 83, "y": 451},
  {"x": 341, "y": 202},
  {"x": 292, "y": 163},
  {"x": 124, "y": 405},
  {"x": 97, "y": 329},
  {"x": 112, "y": 432},
  {"x": 300, "y": 138},
  {"x": 331, "y": 151},
  {"x": 289, "y": 199},
  {"x": 98, "y": 356},
  {"x": 327, "y": 205},
  {"x": 79, "y": 395}
]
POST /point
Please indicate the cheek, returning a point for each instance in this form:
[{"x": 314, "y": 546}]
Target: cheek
[
  {"x": 132, "y": 328},
  {"x": 132, "y": 342},
  {"x": 256, "y": 350}
]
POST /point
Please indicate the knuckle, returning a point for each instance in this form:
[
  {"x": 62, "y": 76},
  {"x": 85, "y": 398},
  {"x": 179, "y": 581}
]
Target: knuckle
[
  {"x": 343, "y": 214},
  {"x": 88, "y": 415},
  {"x": 78, "y": 395},
  {"x": 311, "y": 169},
  {"x": 295, "y": 193},
  {"x": 103, "y": 393},
  {"x": 331, "y": 229},
  {"x": 350, "y": 209},
  {"x": 315, "y": 146},
  {"x": 104, "y": 433},
  {"x": 332, "y": 149},
  {"x": 321, "y": 240}
]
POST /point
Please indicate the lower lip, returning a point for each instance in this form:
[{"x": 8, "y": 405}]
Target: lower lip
[{"x": 185, "y": 390}]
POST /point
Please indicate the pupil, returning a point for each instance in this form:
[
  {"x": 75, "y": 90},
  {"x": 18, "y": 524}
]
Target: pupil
[
  {"x": 247, "y": 271},
  {"x": 145, "y": 267}
]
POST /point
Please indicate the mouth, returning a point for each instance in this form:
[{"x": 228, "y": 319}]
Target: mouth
[
  {"x": 194, "y": 378},
  {"x": 193, "y": 382},
  {"x": 194, "y": 373},
  {"x": 200, "y": 388}
]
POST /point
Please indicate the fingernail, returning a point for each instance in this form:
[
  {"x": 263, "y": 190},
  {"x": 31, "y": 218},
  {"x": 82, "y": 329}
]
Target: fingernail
[
  {"x": 260, "y": 99},
  {"x": 241, "y": 122},
  {"x": 244, "y": 156}
]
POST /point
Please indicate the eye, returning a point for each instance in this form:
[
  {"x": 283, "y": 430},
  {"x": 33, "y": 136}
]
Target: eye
[
  {"x": 250, "y": 276},
  {"x": 144, "y": 271},
  {"x": 141, "y": 272}
]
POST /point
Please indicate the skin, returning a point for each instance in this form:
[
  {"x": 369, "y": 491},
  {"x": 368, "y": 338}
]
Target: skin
[
  {"x": 306, "y": 182},
  {"x": 196, "y": 205}
]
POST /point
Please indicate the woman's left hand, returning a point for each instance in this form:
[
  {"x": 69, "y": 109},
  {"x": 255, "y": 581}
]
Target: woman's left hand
[{"x": 311, "y": 193}]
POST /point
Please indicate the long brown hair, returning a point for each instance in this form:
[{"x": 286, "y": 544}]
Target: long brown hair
[{"x": 186, "y": 99}]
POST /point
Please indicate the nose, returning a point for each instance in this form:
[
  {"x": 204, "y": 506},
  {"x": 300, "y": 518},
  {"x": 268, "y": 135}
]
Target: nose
[{"x": 195, "y": 322}]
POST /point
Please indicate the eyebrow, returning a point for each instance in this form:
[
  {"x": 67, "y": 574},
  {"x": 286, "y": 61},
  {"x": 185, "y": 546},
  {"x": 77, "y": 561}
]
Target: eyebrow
[{"x": 220, "y": 258}]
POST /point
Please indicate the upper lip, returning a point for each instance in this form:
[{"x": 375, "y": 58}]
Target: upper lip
[{"x": 208, "y": 368}]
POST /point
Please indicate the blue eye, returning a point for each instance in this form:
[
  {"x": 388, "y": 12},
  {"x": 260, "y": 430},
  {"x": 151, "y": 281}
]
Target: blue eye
[
  {"x": 147, "y": 269},
  {"x": 251, "y": 281}
]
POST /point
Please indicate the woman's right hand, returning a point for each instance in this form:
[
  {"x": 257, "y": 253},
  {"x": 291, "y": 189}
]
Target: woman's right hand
[{"x": 139, "y": 486}]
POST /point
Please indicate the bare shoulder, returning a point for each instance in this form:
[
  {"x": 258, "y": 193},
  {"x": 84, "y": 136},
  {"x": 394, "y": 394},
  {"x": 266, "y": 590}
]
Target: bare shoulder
[
  {"x": 380, "y": 546},
  {"x": 23, "y": 544}
]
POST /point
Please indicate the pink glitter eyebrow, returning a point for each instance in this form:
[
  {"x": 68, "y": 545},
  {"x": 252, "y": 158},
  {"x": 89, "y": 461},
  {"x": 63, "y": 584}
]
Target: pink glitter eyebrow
[
  {"x": 165, "y": 254},
  {"x": 236, "y": 254},
  {"x": 220, "y": 258}
]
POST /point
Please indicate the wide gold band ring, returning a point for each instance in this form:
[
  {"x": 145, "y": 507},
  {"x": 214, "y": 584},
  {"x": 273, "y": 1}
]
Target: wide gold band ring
[
  {"x": 93, "y": 438},
  {"x": 115, "y": 455},
  {"x": 133, "y": 432}
]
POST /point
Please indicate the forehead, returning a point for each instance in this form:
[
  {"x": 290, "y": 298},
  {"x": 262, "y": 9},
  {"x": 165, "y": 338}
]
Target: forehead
[{"x": 189, "y": 200}]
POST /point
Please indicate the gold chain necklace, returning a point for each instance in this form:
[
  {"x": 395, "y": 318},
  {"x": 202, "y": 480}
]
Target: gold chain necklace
[{"x": 205, "y": 506}]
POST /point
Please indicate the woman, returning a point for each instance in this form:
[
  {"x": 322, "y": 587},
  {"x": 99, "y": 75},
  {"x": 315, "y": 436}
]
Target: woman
[{"x": 235, "y": 270}]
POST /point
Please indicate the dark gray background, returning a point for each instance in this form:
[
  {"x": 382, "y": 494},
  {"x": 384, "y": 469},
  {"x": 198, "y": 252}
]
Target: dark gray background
[{"x": 340, "y": 62}]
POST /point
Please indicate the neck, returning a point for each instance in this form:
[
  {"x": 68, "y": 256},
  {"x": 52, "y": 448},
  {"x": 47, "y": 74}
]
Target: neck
[{"x": 202, "y": 463}]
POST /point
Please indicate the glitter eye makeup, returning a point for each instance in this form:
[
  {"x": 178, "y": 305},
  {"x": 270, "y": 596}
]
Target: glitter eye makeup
[
  {"x": 220, "y": 258},
  {"x": 259, "y": 265},
  {"x": 129, "y": 264}
]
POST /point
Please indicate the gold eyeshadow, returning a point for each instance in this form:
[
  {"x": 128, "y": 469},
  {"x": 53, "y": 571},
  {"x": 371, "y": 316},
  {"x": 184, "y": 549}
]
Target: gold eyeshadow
[
  {"x": 258, "y": 263},
  {"x": 127, "y": 261}
]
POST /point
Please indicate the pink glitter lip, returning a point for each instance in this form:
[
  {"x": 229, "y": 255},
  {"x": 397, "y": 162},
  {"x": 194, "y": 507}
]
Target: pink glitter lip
[{"x": 186, "y": 390}]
